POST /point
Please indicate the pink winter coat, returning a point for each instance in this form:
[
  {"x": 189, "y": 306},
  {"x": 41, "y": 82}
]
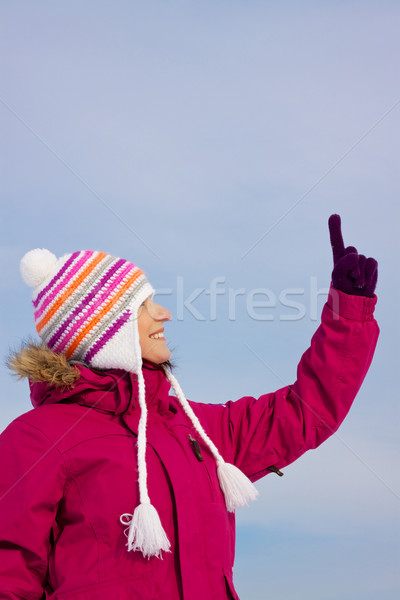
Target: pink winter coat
[{"x": 68, "y": 470}]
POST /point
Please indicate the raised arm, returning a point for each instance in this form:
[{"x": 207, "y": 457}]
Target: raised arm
[{"x": 277, "y": 428}]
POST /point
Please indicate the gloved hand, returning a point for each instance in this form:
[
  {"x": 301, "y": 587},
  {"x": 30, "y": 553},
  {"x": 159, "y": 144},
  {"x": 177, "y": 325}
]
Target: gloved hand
[{"x": 352, "y": 273}]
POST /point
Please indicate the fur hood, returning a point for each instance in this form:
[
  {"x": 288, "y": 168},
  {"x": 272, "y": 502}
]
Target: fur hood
[
  {"x": 52, "y": 379},
  {"x": 39, "y": 364}
]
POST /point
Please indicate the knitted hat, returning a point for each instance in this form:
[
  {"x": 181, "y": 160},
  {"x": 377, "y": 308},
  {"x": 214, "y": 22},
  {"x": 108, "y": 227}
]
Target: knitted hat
[{"x": 86, "y": 306}]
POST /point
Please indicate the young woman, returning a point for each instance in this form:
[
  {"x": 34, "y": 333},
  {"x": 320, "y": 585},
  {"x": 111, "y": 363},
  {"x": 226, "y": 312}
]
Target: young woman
[{"x": 113, "y": 488}]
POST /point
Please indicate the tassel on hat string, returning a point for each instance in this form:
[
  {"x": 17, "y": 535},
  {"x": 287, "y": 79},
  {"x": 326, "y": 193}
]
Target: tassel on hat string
[
  {"x": 236, "y": 487},
  {"x": 145, "y": 532}
]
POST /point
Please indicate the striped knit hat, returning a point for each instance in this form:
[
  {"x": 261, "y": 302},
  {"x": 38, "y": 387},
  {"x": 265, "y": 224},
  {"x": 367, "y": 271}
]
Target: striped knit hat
[
  {"x": 84, "y": 303},
  {"x": 86, "y": 307}
]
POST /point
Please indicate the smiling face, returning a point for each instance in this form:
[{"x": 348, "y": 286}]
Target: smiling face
[{"x": 151, "y": 317}]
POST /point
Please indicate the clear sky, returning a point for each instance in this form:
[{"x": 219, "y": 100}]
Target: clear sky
[{"x": 209, "y": 142}]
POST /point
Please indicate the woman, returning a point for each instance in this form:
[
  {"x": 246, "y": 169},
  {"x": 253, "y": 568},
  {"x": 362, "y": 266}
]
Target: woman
[{"x": 112, "y": 488}]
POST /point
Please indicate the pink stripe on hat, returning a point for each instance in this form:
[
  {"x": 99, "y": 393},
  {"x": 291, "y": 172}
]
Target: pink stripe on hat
[
  {"x": 65, "y": 280},
  {"x": 93, "y": 306},
  {"x": 48, "y": 287}
]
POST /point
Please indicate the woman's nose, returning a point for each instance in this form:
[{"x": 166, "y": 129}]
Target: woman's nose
[{"x": 159, "y": 313}]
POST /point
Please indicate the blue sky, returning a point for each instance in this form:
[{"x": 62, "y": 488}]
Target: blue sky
[{"x": 180, "y": 134}]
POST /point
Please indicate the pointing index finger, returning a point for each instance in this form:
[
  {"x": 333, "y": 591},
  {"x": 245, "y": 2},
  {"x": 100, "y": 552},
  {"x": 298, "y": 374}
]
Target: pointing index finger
[{"x": 336, "y": 237}]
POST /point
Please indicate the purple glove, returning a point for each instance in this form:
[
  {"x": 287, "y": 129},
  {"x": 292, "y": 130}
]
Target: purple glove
[{"x": 352, "y": 273}]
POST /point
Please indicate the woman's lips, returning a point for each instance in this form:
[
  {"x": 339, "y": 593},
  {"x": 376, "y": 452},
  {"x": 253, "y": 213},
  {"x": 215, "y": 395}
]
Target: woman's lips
[{"x": 157, "y": 335}]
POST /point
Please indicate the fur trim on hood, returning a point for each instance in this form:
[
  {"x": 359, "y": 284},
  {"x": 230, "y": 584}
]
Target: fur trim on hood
[{"x": 40, "y": 364}]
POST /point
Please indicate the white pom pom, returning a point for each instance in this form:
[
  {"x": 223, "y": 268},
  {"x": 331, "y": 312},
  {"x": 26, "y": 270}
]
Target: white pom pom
[
  {"x": 145, "y": 532},
  {"x": 237, "y": 488},
  {"x": 37, "y": 265}
]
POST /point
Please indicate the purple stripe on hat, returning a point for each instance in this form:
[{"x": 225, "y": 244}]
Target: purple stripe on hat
[
  {"x": 106, "y": 337},
  {"x": 55, "y": 278},
  {"x": 61, "y": 330},
  {"x": 61, "y": 345},
  {"x": 65, "y": 280}
]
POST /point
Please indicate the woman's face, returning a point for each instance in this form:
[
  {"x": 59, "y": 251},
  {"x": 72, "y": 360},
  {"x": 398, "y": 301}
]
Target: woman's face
[{"x": 151, "y": 317}]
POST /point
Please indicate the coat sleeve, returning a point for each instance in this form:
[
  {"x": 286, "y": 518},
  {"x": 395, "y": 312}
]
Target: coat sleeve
[
  {"x": 277, "y": 428},
  {"x": 32, "y": 479}
]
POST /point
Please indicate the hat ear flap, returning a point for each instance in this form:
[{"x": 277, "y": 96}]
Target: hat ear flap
[{"x": 120, "y": 349}]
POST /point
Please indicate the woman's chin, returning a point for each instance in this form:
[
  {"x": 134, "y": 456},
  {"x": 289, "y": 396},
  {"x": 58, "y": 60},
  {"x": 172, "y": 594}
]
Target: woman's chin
[{"x": 158, "y": 357}]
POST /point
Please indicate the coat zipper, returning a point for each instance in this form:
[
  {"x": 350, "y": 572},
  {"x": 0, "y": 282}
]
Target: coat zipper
[
  {"x": 196, "y": 449},
  {"x": 275, "y": 470}
]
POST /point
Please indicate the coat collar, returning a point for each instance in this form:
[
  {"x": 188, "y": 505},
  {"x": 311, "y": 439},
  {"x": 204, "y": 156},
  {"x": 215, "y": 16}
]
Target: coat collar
[{"x": 111, "y": 391}]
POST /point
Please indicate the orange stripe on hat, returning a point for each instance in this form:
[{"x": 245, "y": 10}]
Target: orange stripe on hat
[
  {"x": 69, "y": 291},
  {"x": 97, "y": 317}
]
